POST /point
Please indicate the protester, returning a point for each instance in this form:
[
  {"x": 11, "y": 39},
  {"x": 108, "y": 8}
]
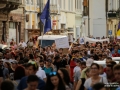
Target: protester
[
  {"x": 59, "y": 69},
  {"x": 95, "y": 78},
  {"x": 55, "y": 82},
  {"x": 32, "y": 69},
  {"x": 32, "y": 82},
  {"x": 18, "y": 75},
  {"x": 98, "y": 86},
  {"x": 7, "y": 85},
  {"x": 65, "y": 77}
]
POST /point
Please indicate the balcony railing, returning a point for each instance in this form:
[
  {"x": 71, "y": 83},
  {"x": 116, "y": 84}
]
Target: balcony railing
[
  {"x": 12, "y": 1},
  {"x": 53, "y": 8}
]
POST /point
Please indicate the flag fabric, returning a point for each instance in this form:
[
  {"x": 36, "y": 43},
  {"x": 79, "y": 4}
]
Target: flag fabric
[
  {"x": 45, "y": 17},
  {"x": 118, "y": 32}
]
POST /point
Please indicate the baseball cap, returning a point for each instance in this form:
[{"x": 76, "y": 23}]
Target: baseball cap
[
  {"x": 89, "y": 62},
  {"x": 14, "y": 62}
]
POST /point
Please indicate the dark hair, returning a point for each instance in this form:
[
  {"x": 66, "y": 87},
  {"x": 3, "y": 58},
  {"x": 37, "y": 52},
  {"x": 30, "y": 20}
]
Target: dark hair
[
  {"x": 111, "y": 66},
  {"x": 83, "y": 63},
  {"x": 8, "y": 64},
  {"x": 50, "y": 86},
  {"x": 19, "y": 73},
  {"x": 35, "y": 67},
  {"x": 21, "y": 62},
  {"x": 98, "y": 86},
  {"x": 32, "y": 78},
  {"x": 61, "y": 49},
  {"x": 95, "y": 65},
  {"x": 41, "y": 61},
  {"x": 116, "y": 67},
  {"x": 109, "y": 58},
  {"x": 7, "y": 85},
  {"x": 31, "y": 56},
  {"x": 66, "y": 76}
]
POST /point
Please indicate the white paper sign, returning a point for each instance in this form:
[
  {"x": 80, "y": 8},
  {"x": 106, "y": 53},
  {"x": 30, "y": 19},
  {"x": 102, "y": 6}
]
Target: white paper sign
[
  {"x": 62, "y": 43},
  {"x": 90, "y": 40},
  {"x": 82, "y": 41}
]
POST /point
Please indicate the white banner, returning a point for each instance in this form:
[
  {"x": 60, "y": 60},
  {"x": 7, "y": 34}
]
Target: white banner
[
  {"x": 90, "y": 40},
  {"x": 62, "y": 43}
]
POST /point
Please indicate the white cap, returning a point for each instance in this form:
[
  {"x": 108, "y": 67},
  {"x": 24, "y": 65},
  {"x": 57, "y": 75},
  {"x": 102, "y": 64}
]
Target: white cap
[{"x": 89, "y": 62}]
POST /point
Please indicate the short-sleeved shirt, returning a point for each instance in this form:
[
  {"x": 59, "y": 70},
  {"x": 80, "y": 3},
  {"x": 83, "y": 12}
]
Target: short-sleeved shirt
[
  {"x": 41, "y": 74},
  {"x": 23, "y": 84},
  {"x": 88, "y": 82},
  {"x": 83, "y": 73},
  {"x": 77, "y": 76},
  {"x": 48, "y": 70}
]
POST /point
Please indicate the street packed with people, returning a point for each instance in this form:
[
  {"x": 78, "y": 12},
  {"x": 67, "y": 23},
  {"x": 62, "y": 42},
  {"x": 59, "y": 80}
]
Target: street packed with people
[{"x": 88, "y": 66}]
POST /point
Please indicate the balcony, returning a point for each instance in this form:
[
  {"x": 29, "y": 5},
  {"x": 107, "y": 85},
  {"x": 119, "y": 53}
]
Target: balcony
[
  {"x": 17, "y": 2},
  {"x": 112, "y": 14},
  {"x": 53, "y": 9},
  {"x": 8, "y": 5}
]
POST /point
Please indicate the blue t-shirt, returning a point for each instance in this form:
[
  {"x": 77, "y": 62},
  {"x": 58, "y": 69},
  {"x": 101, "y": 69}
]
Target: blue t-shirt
[
  {"x": 23, "y": 84},
  {"x": 47, "y": 70}
]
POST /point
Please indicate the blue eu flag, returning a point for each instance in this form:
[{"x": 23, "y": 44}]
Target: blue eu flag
[{"x": 45, "y": 17}]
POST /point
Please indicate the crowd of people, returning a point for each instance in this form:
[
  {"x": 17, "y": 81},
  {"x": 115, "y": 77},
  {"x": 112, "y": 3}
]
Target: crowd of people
[{"x": 25, "y": 67}]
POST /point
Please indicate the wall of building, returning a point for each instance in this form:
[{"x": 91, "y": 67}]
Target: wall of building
[{"x": 97, "y": 18}]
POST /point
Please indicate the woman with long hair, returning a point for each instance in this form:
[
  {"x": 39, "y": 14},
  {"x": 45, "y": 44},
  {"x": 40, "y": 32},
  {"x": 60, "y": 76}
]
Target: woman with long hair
[
  {"x": 65, "y": 77},
  {"x": 54, "y": 82}
]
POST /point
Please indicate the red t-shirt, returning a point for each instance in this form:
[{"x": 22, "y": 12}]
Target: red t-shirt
[
  {"x": 72, "y": 65},
  {"x": 116, "y": 55}
]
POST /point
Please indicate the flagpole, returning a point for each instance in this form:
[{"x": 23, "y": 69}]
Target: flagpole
[
  {"x": 46, "y": 20},
  {"x": 42, "y": 35}
]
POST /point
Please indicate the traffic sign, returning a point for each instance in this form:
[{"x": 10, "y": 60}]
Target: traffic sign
[{"x": 110, "y": 32}]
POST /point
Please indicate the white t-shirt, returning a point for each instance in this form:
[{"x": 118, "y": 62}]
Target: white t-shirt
[
  {"x": 76, "y": 69},
  {"x": 41, "y": 73},
  {"x": 88, "y": 82},
  {"x": 9, "y": 60},
  {"x": 103, "y": 75},
  {"x": 23, "y": 44}
]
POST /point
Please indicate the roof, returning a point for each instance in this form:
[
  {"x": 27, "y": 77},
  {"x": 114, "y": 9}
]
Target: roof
[{"x": 51, "y": 37}]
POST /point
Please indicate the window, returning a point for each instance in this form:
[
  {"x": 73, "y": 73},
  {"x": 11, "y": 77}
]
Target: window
[
  {"x": 64, "y": 4},
  {"x": 32, "y": 2},
  {"x": 38, "y": 2},
  {"x": 12, "y": 25},
  {"x": 60, "y": 3},
  {"x": 62, "y": 26},
  {"x": 69, "y": 5},
  {"x": 27, "y": 1}
]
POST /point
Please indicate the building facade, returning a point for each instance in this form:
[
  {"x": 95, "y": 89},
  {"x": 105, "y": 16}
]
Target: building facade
[
  {"x": 112, "y": 16},
  {"x": 32, "y": 19},
  {"x": 16, "y": 24},
  {"x": 66, "y": 17},
  {"x": 6, "y": 6}
]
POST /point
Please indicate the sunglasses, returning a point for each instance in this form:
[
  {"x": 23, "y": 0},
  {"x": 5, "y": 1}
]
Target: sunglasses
[
  {"x": 33, "y": 63},
  {"x": 53, "y": 73}
]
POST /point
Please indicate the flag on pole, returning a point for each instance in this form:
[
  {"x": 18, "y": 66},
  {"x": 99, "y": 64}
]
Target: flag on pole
[
  {"x": 118, "y": 31},
  {"x": 45, "y": 17}
]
